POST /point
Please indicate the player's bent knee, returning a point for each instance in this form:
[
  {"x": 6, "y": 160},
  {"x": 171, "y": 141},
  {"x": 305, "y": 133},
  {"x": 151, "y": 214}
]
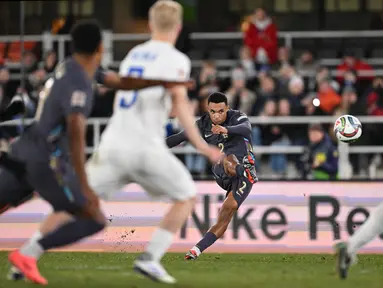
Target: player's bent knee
[
  {"x": 230, "y": 163},
  {"x": 188, "y": 193},
  {"x": 190, "y": 200},
  {"x": 94, "y": 213},
  {"x": 232, "y": 158},
  {"x": 99, "y": 217}
]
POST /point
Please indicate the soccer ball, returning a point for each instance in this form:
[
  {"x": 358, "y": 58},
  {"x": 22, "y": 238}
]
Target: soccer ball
[{"x": 347, "y": 128}]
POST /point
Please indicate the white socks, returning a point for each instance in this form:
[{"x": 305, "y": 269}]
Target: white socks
[
  {"x": 368, "y": 231},
  {"x": 196, "y": 249},
  {"x": 160, "y": 243},
  {"x": 32, "y": 248}
]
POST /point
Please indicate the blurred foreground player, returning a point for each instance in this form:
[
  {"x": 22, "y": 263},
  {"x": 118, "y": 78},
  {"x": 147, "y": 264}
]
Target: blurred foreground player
[
  {"x": 107, "y": 78},
  {"x": 136, "y": 130},
  {"x": 346, "y": 251},
  {"x": 48, "y": 144},
  {"x": 230, "y": 130},
  {"x": 16, "y": 107}
]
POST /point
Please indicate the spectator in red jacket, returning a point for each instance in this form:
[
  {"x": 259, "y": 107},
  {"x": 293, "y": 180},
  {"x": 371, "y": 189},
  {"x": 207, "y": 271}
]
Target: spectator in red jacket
[
  {"x": 350, "y": 62},
  {"x": 260, "y": 36}
]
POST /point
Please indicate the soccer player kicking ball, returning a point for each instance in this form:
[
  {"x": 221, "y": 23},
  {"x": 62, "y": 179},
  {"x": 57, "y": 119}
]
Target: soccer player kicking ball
[{"x": 230, "y": 130}]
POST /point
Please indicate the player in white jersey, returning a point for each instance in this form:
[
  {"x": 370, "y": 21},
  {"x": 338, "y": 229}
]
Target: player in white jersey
[
  {"x": 133, "y": 147},
  {"x": 136, "y": 129},
  {"x": 346, "y": 252}
]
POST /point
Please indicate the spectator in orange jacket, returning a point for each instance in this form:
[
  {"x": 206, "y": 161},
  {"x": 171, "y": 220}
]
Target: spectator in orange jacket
[
  {"x": 260, "y": 36},
  {"x": 350, "y": 62},
  {"x": 329, "y": 99}
]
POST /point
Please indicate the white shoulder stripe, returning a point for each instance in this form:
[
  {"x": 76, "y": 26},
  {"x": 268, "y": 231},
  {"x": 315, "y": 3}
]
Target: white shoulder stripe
[{"x": 242, "y": 117}]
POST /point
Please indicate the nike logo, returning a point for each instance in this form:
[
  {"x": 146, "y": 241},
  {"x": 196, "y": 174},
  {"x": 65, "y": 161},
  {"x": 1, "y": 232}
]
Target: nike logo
[{"x": 208, "y": 135}]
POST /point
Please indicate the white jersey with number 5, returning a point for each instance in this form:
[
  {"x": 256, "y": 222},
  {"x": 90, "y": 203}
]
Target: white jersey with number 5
[
  {"x": 147, "y": 111},
  {"x": 133, "y": 147}
]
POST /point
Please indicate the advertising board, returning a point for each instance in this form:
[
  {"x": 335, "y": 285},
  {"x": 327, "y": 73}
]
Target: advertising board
[{"x": 280, "y": 217}]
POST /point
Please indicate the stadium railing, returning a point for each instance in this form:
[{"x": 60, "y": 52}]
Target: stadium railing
[
  {"x": 48, "y": 40},
  {"x": 344, "y": 149}
]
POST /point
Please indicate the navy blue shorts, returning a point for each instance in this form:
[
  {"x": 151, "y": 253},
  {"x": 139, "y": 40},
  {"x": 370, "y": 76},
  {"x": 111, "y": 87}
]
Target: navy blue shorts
[
  {"x": 56, "y": 183},
  {"x": 61, "y": 190},
  {"x": 13, "y": 191},
  {"x": 240, "y": 186}
]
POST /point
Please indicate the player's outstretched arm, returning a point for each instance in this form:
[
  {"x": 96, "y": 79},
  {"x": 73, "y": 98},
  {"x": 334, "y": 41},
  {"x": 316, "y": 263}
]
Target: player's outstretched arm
[
  {"x": 76, "y": 124},
  {"x": 186, "y": 118},
  {"x": 112, "y": 80},
  {"x": 76, "y": 107},
  {"x": 241, "y": 129},
  {"x": 176, "y": 139}
]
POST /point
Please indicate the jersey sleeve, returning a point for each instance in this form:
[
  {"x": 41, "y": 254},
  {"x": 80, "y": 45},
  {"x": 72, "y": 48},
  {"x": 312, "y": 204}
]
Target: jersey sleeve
[
  {"x": 239, "y": 118},
  {"x": 77, "y": 100},
  {"x": 176, "y": 139},
  {"x": 180, "y": 137},
  {"x": 239, "y": 125}
]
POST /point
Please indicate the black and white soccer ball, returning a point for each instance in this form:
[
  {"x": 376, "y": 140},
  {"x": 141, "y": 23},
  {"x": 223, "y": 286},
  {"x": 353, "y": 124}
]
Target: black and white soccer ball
[{"x": 348, "y": 128}]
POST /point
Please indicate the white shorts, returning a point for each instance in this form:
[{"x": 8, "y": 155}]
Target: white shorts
[{"x": 153, "y": 167}]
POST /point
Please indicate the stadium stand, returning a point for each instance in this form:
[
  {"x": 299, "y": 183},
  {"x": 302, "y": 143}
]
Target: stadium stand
[{"x": 325, "y": 65}]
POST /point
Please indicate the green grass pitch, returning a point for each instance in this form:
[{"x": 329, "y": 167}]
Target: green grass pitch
[{"x": 211, "y": 270}]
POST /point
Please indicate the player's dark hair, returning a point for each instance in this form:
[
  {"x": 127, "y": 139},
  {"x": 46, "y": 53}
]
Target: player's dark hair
[
  {"x": 86, "y": 37},
  {"x": 217, "y": 97}
]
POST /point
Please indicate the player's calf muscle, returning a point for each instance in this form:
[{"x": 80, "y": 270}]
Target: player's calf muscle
[
  {"x": 223, "y": 222},
  {"x": 225, "y": 215}
]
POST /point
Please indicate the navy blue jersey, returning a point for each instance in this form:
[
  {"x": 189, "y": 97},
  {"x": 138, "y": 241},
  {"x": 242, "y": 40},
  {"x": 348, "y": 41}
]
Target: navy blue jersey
[
  {"x": 237, "y": 141},
  {"x": 71, "y": 92}
]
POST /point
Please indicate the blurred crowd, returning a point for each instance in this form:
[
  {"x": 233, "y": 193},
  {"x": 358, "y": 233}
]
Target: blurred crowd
[
  {"x": 268, "y": 80},
  {"x": 273, "y": 81},
  {"x": 37, "y": 72}
]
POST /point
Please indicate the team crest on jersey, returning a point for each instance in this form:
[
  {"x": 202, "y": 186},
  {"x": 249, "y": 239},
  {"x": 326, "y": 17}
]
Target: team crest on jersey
[{"x": 78, "y": 99}]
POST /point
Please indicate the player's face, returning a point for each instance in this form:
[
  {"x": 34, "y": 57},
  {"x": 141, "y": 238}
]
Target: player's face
[{"x": 217, "y": 112}]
